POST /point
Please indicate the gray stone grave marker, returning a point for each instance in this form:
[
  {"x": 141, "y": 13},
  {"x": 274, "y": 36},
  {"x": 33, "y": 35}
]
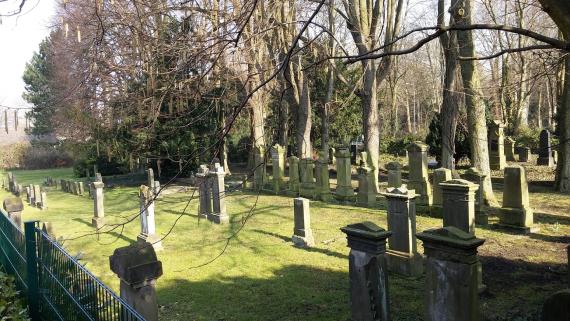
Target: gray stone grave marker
[{"x": 302, "y": 233}]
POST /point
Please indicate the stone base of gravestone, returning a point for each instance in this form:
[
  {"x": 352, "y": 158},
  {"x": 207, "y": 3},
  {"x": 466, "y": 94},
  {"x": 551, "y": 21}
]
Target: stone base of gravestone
[
  {"x": 218, "y": 218},
  {"x": 520, "y": 220},
  {"x": 98, "y": 222},
  {"x": 405, "y": 264},
  {"x": 153, "y": 239},
  {"x": 308, "y": 189}
]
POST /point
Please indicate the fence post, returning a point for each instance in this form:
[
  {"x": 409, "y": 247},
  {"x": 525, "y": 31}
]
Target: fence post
[{"x": 32, "y": 269}]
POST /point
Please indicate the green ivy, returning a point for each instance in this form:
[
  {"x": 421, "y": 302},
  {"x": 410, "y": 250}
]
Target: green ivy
[{"x": 12, "y": 307}]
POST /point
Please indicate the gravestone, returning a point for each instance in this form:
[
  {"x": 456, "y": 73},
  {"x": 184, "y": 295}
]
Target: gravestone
[
  {"x": 555, "y": 156},
  {"x": 332, "y": 157},
  {"x": 150, "y": 178},
  {"x": 545, "y": 150},
  {"x": 219, "y": 213},
  {"x": 138, "y": 269},
  {"x": 98, "y": 177},
  {"x": 156, "y": 189},
  {"x": 344, "y": 191},
  {"x": 354, "y": 154},
  {"x": 37, "y": 196},
  {"x": 43, "y": 203},
  {"x": 418, "y": 177},
  {"x": 302, "y": 233},
  {"x": 203, "y": 185},
  {"x": 32, "y": 198},
  {"x": 403, "y": 256},
  {"x": 323, "y": 180},
  {"x": 148, "y": 226},
  {"x": 516, "y": 212},
  {"x": 475, "y": 176},
  {"x": 259, "y": 169},
  {"x": 307, "y": 170},
  {"x": 294, "y": 183},
  {"x": 29, "y": 195},
  {"x": 394, "y": 174},
  {"x": 497, "y": 159},
  {"x": 459, "y": 204},
  {"x": 451, "y": 291},
  {"x": 278, "y": 160},
  {"x": 440, "y": 175},
  {"x": 368, "y": 271},
  {"x": 98, "y": 207},
  {"x": 557, "y": 307},
  {"x": 14, "y": 207},
  {"x": 510, "y": 149},
  {"x": 80, "y": 189},
  {"x": 366, "y": 192}
]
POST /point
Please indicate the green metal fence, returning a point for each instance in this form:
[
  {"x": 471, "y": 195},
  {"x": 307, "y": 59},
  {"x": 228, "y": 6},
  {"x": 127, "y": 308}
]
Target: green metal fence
[{"x": 58, "y": 287}]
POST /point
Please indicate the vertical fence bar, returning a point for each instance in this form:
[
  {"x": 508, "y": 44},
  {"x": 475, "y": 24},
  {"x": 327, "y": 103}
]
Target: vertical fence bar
[{"x": 32, "y": 270}]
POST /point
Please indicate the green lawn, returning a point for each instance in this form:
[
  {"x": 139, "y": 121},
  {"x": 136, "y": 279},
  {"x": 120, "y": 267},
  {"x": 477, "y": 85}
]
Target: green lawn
[{"x": 261, "y": 276}]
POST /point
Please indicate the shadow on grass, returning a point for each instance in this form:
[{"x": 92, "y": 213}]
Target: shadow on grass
[
  {"x": 309, "y": 249},
  {"x": 547, "y": 218}
]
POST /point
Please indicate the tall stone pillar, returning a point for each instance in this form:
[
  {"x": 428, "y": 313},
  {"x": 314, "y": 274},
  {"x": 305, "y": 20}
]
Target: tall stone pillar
[
  {"x": 98, "y": 209},
  {"x": 323, "y": 180},
  {"x": 138, "y": 268},
  {"x": 259, "y": 168},
  {"x": 294, "y": 180},
  {"x": 302, "y": 233},
  {"x": 37, "y": 196},
  {"x": 516, "y": 212},
  {"x": 148, "y": 225},
  {"x": 451, "y": 292},
  {"x": 344, "y": 191},
  {"x": 418, "y": 178},
  {"x": 204, "y": 191},
  {"x": 459, "y": 204},
  {"x": 219, "y": 214},
  {"x": 150, "y": 177},
  {"x": 545, "y": 150},
  {"x": 307, "y": 169},
  {"x": 368, "y": 272},
  {"x": 332, "y": 157},
  {"x": 475, "y": 176},
  {"x": 510, "y": 149},
  {"x": 278, "y": 160},
  {"x": 366, "y": 192},
  {"x": 440, "y": 175},
  {"x": 497, "y": 159},
  {"x": 403, "y": 256},
  {"x": 394, "y": 174}
]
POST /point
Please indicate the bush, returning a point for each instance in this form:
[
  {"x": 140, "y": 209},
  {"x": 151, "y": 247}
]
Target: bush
[
  {"x": 528, "y": 137},
  {"x": 433, "y": 139},
  {"x": 238, "y": 153},
  {"x": 34, "y": 156},
  {"x": 103, "y": 166},
  {"x": 11, "y": 306},
  {"x": 397, "y": 146}
]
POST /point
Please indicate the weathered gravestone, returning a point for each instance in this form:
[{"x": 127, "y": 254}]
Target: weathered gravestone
[
  {"x": 545, "y": 150},
  {"x": 307, "y": 170},
  {"x": 475, "y": 176},
  {"x": 43, "y": 200},
  {"x": 344, "y": 191},
  {"x": 138, "y": 268},
  {"x": 557, "y": 307},
  {"x": 497, "y": 159},
  {"x": 510, "y": 149},
  {"x": 278, "y": 161},
  {"x": 418, "y": 178},
  {"x": 524, "y": 154},
  {"x": 14, "y": 207},
  {"x": 204, "y": 191},
  {"x": 219, "y": 214},
  {"x": 366, "y": 192},
  {"x": 403, "y": 256},
  {"x": 332, "y": 157},
  {"x": 516, "y": 212},
  {"x": 394, "y": 174},
  {"x": 80, "y": 188},
  {"x": 259, "y": 168},
  {"x": 294, "y": 180},
  {"x": 29, "y": 195},
  {"x": 302, "y": 233},
  {"x": 323, "y": 180},
  {"x": 440, "y": 175},
  {"x": 98, "y": 207},
  {"x": 368, "y": 271},
  {"x": 148, "y": 226},
  {"x": 451, "y": 290},
  {"x": 37, "y": 196},
  {"x": 150, "y": 178},
  {"x": 459, "y": 204}
]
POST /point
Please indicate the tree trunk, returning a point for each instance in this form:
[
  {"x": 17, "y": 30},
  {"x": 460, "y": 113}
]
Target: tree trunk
[
  {"x": 304, "y": 121},
  {"x": 473, "y": 102},
  {"x": 371, "y": 120}
]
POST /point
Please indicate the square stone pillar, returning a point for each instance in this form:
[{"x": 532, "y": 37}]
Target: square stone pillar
[
  {"x": 294, "y": 180},
  {"x": 219, "y": 214},
  {"x": 323, "y": 180},
  {"x": 148, "y": 226},
  {"x": 394, "y": 174},
  {"x": 259, "y": 168},
  {"x": 459, "y": 204},
  {"x": 278, "y": 160},
  {"x": 98, "y": 208},
  {"x": 302, "y": 233},
  {"x": 366, "y": 192},
  {"x": 510, "y": 149},
  {"x": 497, "y": 159},
  {"x": 403, "y": 256},
  {"x": 545, "y": 150},
  {"x": 307, "y": 169},
  {"x": 204, "y": 191},
  {"x": 440, "y": 175},
  {"x": 344, "y": 191},
  {"x": 475, "y": 176},
  {"x": 368, "y": 271},
  {"x": 451, "y": 292},
  {"x": 138, "y": 268},
  {"x": 14, "y": 207},
  {"x": 516, "y": 212},
  {"x": 418, "y": 179}
]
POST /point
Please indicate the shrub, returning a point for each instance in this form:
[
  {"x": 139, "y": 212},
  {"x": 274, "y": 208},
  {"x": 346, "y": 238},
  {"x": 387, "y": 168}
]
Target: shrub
[
  {"x": 104, "y": 167},
  {"x": 397, "y": 146},
  {"x": 11, "y": 306},
  {"x": 34, "y": 156},
  {"x": 528, "y": 137}
]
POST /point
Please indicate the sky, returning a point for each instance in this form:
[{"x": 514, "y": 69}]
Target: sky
[{"x": 20, "y": 36}]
